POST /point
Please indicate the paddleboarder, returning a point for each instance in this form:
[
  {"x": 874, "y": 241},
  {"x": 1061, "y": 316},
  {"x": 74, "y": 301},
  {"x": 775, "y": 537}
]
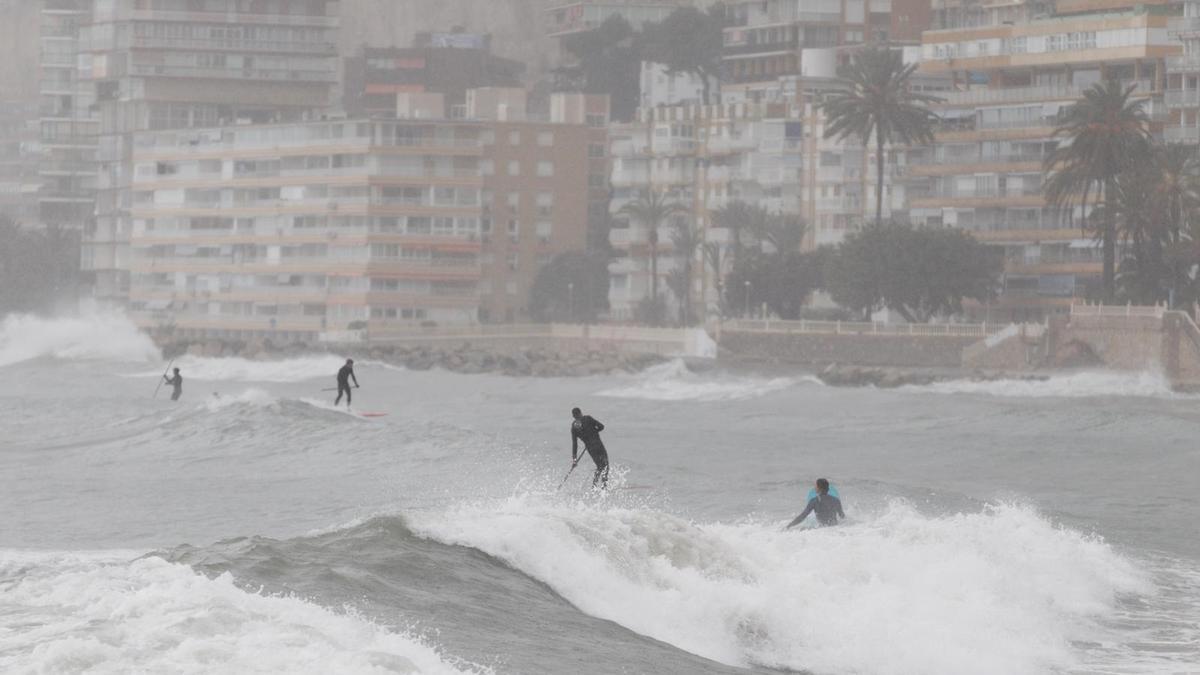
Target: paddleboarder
[
  {"x": 176, "y": 382},
  {"x": 345, "y": 374},
  {"x": 587, "y": 429},
  {"x": 827, "y": 507}
]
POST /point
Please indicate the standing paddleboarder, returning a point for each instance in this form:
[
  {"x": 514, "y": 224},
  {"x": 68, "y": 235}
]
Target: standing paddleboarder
[
  {"x": 587, "y": 429},
  {"x": 176, "y": 382},
  {"x": 345, "y": 373}
]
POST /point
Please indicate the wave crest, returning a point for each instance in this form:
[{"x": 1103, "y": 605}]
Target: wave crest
[
  {"x": 93, "y": 335},
  {"x": 1075, "y": 385},
  {"x": 674, "y": 381}
]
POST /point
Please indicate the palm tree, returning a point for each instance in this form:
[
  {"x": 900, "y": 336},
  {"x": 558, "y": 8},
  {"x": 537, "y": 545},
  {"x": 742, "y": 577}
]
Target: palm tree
[
  {"x": 650, "y": 209},
  {"x": 784, "y": 232},
  {"x": 1106, "y": 135},
  {"x": 714, "y": 255},
  {"x": 738, "y": 217},
  {"x": 686, "y": 239},
  {"x": 878, "y": 100}
]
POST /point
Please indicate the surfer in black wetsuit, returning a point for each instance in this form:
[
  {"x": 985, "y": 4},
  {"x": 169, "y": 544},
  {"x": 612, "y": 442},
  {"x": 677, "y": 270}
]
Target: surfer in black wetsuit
[
  {"x": 587, "y": 429},
  {"x": 176, "y": 382},
  {"x": 827, "y": 507},
  {"x": 345, "y": 373}
]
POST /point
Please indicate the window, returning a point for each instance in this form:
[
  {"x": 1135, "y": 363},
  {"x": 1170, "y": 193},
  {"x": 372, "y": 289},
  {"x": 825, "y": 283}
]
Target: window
[
  {"x": 514, "y": 168},
  {"x": 597, "y": 121},
  {"x": 596, "y": 150},
  {"x": 544, "y": 229},
  {"x": 514, "y": 234},
  {"x": 487, "y": 167},
  {"x": 487, "y": 137},
  {"x": 545, "y": 139},
  {"x": 597, "y": 180},
  {"x": 514, "y": 261},
  {"x": 545, "y": 168},
  {"x": 514, "y": 200},
  {"x": 514, "y": 137},
  {"x": 545, "y": 204}
]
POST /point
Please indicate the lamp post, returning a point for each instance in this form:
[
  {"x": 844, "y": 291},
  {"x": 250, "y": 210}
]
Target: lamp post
[
  {"x": 747, "y": 284},
  {"x": 571, "y": 300}
]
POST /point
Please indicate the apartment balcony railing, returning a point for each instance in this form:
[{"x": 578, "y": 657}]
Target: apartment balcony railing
[
  {"x": 1010, "y": 95},
  {"x": 236, "y": 18},
  {"x": 273, "y": 74},
  {"x": 1183, "y": 25},
  {"x": 1188, "y": 135},
  {"x": 1183, "y": 99},
  {"x": 1184, "y": 63},
  {"x": 238, "y": 45}
]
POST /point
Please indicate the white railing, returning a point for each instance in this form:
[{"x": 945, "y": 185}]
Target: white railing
[
  {"x": 1150, "y": 311},
  {"x": 979, "y": 330}
]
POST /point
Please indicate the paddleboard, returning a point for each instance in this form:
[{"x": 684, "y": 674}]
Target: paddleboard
[{"x": 372, "y": 414}]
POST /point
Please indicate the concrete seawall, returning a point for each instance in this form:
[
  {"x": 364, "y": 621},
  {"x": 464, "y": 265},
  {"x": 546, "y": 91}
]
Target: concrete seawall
[{"x": 901, "y": 351}]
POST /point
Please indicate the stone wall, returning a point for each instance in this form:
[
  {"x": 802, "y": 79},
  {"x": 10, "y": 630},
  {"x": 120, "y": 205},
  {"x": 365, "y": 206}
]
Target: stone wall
[
  {"x": 1119, "y": 342},
  {"x": 862, "y": 349}
]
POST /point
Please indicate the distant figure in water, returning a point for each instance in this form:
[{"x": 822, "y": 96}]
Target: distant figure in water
[
  {"x": 176, "y": 382},
  {"x": 827, "y": 507},
  {"x": 343, "y": 377},
  {"x": 587, "y": 429}
]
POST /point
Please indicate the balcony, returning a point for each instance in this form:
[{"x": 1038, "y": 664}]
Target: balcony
[
  {"x": 1185, "y": 135},
  {"x": 1184, "y": 63},
  {"x": 271, "y": 74},
  {"x": 1010, "y": 95},
  {"x": 1183, "y": 26},
  {"x": 229, "y": 45},
  {"x": 320, "y": 21},
  {"x": 1183, "y": 99}
]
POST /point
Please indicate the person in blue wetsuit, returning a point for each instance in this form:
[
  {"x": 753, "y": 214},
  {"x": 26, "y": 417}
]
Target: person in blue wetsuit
[
  {"x": 827, "y": 507},
  {"x": 587, "y": 429}
]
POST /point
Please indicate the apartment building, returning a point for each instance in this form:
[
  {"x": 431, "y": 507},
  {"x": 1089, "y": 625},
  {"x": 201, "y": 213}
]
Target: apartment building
[
  {"x": 1183, "y": 77},
  {"x": 1016, "y": 67},
  {"x": 544, "y": 178},
  {"x": 445, "y": 63},
  {"x": 19, "y": 184},
  {"x": 163, "y": 64},
  {"x": 765, "y": 40},
  {"x": 68, "y": 122},
  {"x": 290, "y": 230},
  {"x": 577, "y": 17}
]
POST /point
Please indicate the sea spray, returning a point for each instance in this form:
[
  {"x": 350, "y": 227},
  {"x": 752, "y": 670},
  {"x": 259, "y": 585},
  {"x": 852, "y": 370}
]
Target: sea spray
[
  {"x": 94, "y": 613},
  {"x": 92, "y": 335},
  {"x": 673, "y": 381},
  {"x": 1001, "y": 591},
  {"x": 1074, "y": 385}
]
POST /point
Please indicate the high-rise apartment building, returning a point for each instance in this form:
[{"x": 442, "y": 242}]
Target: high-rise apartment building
[
  {"x": 567, "y": 18},
  {"x": 544, "y": 177},
  {"x": 1183, "y": 73},
  {"x": 19, "y": 181},
  {"x": 163, "y": 64},
  {"x": 68, "y": 121},
  {"x": 444, "y": 63},
  {"x": 290, "y": 230},
  {"x": 1017, "y": 66}
]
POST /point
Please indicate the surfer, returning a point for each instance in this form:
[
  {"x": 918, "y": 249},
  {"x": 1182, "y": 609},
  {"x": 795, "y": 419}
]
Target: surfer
[
  {"x": 587, "y": 429},
  {"x": 827, "y": 507},
  {"x": 345, "y": 373},
  {"x": 176, "y": 382}
]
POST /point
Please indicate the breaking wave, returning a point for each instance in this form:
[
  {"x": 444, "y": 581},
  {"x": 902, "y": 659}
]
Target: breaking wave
[
  {"x": 998, "y": 592},
  {"x": 235, "y": 369},
  {"x": 673, "y": 381},
  {"x": 93, "y": 335},
  {"x": 81, "y": 613},
  {"x": 1076, "y": 385}
]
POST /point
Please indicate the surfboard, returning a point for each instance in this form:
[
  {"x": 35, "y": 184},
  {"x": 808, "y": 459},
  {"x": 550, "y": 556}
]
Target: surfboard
[
  {"x": 833, "y": 492},
  {"x": 372, "y": 414}
]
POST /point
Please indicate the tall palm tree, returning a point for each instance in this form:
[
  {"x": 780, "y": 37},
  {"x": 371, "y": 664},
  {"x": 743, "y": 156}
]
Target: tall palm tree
[
  {"x": 686, "y": 239},
  {"x": 877, "y": 100},
  {"x": 651, "y": 209},
  {"x": 714, "y": 255},
  {"x": 738, "y": 217},
  {"x": 784, "y": 232},
  {"x": 1106, "y": 133}
]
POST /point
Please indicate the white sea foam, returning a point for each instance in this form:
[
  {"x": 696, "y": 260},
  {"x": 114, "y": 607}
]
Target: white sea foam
[
  {"x": 998, "y": 592},
  {"x": 78, "y": 613},
  {"x": 251, "y": 397},
  {"x": 673, "y": 381},
  {"x": 93, "y": 335},
  {"x": 1075, "y": 385},
  {"x": 236, "y": 369}
]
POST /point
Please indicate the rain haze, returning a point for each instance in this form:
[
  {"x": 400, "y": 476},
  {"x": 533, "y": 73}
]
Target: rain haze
[{"x": 836, "y": 337}]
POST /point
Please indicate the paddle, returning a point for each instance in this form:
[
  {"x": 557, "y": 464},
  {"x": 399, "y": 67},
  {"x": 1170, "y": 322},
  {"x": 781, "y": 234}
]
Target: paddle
[
  {"x": 163, "y": 378},
  {"x": 569, "y": 472}
]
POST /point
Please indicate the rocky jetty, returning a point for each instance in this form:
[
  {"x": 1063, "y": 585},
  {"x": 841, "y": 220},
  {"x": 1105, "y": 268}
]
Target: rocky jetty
[{"x": 460, "y": 357}]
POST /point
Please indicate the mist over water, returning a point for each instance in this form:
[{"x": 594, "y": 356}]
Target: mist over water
[{"x": 1001, "y": 527}]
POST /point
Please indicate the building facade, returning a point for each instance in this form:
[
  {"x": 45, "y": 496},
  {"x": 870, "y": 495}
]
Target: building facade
[
  {"x": 1183, "y": 74},
  {"x": 291, "y": 230},
  {"x": 68, "y": 120},
  {"x": 577, "y": 17},
  {"x": 1016, "y": 68},
  {"x": 163, "y": 64}
]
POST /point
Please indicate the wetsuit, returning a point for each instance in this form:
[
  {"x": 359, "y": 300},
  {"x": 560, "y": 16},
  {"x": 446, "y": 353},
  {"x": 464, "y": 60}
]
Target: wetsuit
[
  {"x": 343, "y": 379},
  {"x": 587, "y": 429},
  {"x": 176, "y": 382},
  {"x": 827, "y": 507}
]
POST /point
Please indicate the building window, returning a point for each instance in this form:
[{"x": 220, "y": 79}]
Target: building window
[
  {"x": 545, "y": 204},
  {"x": 596, "y": 120},
  {"x": 545, "y": 139},
  {"x": 514, "y": 233},
  {"x": 596, "y": 150},
  {"x": 544, "y": 230},
  {"x": 514, "y": 137},
  {"x": 487, "y": 137},
  {"x": 545, "y": 168},
  {"x": 513, "y": 262},
  {"x": 487, "y": 167},
  {"x": 514, "y": 200},
  {"x": 514, "y": 168},
  {"x": 597, "y": 180}
]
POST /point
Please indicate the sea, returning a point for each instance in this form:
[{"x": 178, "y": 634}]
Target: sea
[{"x": 993, "y": 528}]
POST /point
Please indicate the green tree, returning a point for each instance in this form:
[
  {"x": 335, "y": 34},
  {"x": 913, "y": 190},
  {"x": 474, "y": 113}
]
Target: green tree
[
  {"x": 606, "y": 61},
  {"x": 916, "y": 273},
  {"x": 572, "y": 287},
  {"x": 739, "y": 218},
  {"x": 1106, "y": 134},
  {"x": 878, "y": 100},
  {"x": 782, "y": 280},
  {"x": 688, "y": 41},
  {"x": 687, "y": 239},
  {"x": 651, "y": 209}
]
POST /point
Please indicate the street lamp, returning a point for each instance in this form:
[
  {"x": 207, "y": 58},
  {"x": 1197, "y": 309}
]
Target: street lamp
[
  {"x": 747, "y": 283},
  {"x": 571, "y": 300}
]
